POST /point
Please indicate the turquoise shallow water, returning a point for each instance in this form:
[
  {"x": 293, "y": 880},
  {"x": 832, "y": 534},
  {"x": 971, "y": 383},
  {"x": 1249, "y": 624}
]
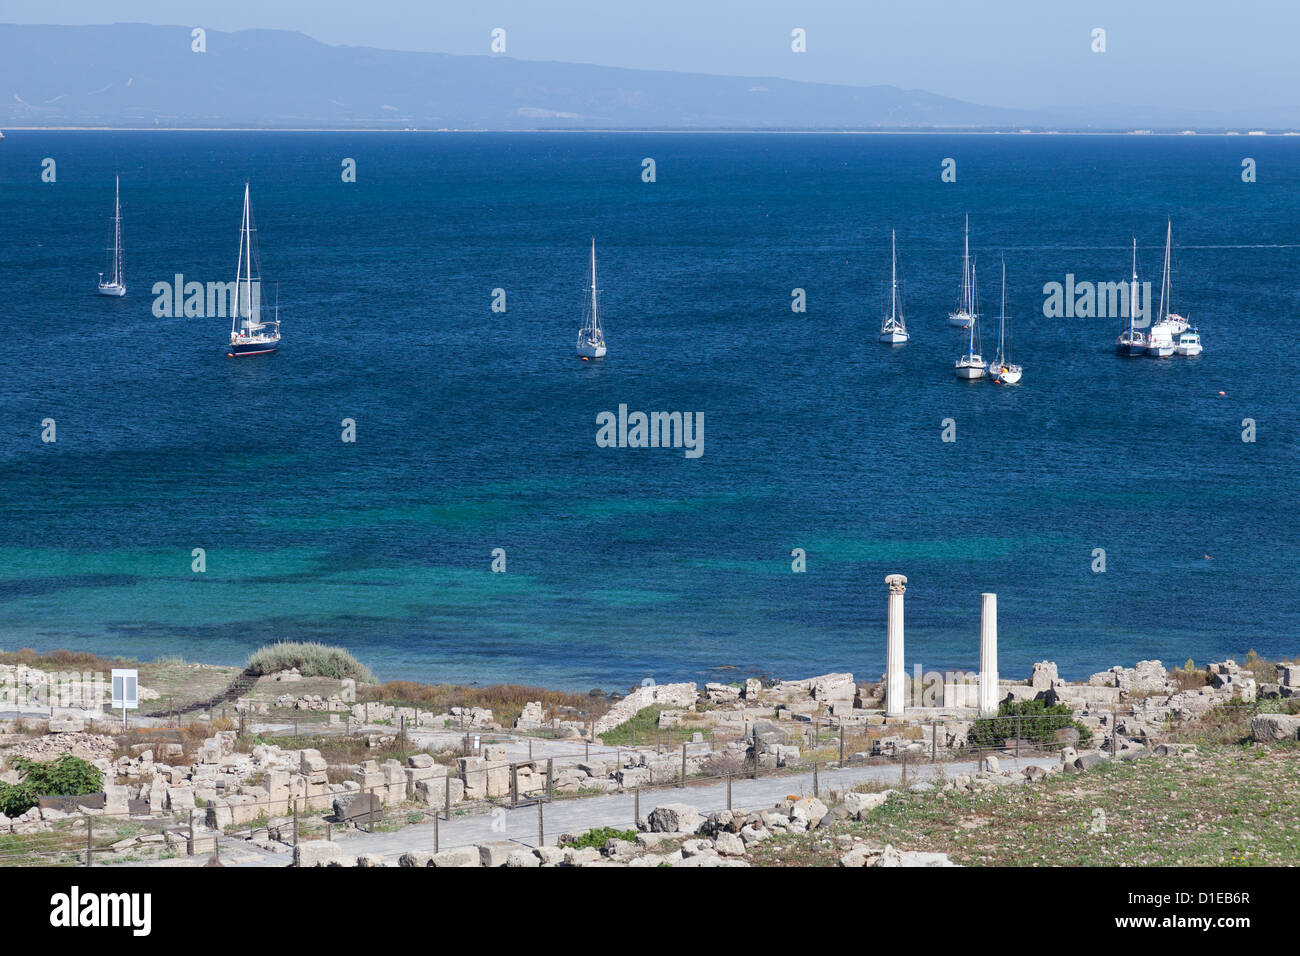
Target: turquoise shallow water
[{"x": 477, "y": 431}]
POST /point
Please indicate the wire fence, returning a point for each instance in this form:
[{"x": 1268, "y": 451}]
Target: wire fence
[{"x": 817, "y": 755}]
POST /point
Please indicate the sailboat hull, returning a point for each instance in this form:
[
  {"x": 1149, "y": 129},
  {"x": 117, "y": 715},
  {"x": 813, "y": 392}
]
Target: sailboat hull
[
  {"x": 893, "y": 338},
  {"x": 245, "y": 349},
  {"x": 591, "y": 351},
  {"x": 112, "y": 288},
  {"x": 970, "y": 371},
  {"x": 1007, "y": 375},
  {"x": 959, "y": 320}
]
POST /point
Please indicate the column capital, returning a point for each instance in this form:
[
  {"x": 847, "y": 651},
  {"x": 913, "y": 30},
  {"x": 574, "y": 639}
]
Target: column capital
[{"x": 897, "y": 583}]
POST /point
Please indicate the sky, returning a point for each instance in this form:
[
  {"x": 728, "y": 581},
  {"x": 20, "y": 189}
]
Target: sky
[{"x": 1174, "y": 54}]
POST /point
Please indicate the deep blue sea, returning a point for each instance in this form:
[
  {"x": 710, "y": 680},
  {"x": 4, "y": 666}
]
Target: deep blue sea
[{"x": 476, "y": 430}]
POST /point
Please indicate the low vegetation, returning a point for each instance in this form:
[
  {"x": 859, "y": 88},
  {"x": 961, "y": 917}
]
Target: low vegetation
[
  {"x": 597, "y": 838},
  {"x": 60, "y": 660},
  {"x": 1028, "y": 720},
  {"x": 643, "y": 728},
  {"x": 65, "y": 776},
  {"x": 311, "y": 659}
]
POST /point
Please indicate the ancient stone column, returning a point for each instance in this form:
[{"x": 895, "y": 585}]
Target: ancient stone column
[
  {"x": 988, "y": 655},
  {"x": 894, "y": 693}
]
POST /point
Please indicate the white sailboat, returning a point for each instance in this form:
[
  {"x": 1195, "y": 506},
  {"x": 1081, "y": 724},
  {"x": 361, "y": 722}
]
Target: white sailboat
[
  {"x": 1132, "y": 341},
  {"x": 1160, "y": 340},
  {"x": 1177, "y": 323},
  {"x": 1002, "y": 371},
  {"x": 972, "y": 365},
  {"x": 116, "y": 285},
  {"x": 965, "y": 314},
  {"x": 591, "y": 339},
  {"x": 893, "y": 331},
  {"x": 249, "y": 335},
  {"x": 1183, "y": 339}
]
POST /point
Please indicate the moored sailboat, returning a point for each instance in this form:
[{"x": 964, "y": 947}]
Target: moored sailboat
[
  {"x": 591, "y": 338},
  {"x": 1169, "y": 324},
  {"x": 1002, "y": 371},
  {"x": 249, "y": 335},
  {"x": 965, "y": 313},
  {"x": 116, "y": 284},
  {"x": 972, "y": 365},
  {"x": 893, "y": 331},
  {"x": 1132, "y": 341}
]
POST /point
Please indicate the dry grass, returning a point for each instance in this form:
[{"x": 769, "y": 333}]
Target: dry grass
[
  {"x": 310, "y": 658},
  {"x": 1265, "y": 670},
  {"x": 61, "y": 660},
  {"x": 1189, "y": 676},
  {"x": 506, "y": 701}
]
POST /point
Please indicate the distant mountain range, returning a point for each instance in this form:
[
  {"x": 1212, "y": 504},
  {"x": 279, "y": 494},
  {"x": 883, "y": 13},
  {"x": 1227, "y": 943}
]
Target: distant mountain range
[{"x": 137, "y": 75}]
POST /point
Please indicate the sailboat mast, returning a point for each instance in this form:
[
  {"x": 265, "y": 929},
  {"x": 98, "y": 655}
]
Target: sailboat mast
[
  {"x": 1133, "y": 288},
  {"x": 595, "y": 321},
  {"x": 117, "y": 229},
  {"x": 893, "y": 277},
  {"x": 248, "y": 258},
  {"x": 966, "y": 304},
  {"x": 1002, "y": 314},
  {"x": 1165, "y": 304},
  {"x": 971, "y": 324},
  {"x": 1168, "y": 295}
]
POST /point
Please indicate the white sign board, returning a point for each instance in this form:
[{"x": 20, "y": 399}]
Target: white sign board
[{"x": 126, "y": 689}]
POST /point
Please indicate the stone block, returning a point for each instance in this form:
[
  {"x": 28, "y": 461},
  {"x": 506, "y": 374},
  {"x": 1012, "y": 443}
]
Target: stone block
[
  {"x": 316, "y": 853},
  {"x": 674, "y": 818},
  {"x": 495, "y": 853},
  {"x": 1268, "y": 728},
  {"x": 465, "y": 856}
]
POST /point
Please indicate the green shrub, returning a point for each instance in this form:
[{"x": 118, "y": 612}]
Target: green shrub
[
  {"x": 66, "y": 776},
  {"x": 1040, "y": 725},
  {"x": 311, "y": 659},
  {"x": 596, "y": 838}
]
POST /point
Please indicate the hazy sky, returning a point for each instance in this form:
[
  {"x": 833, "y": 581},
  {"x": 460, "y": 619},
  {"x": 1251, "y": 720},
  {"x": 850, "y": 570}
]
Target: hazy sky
[{"x": 1031, "y": 53}]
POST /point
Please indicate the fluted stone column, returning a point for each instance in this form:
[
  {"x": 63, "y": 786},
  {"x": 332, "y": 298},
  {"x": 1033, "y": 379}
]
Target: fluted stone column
[
  {"x": 988, "y": 655},
  {"x": 894, "y": 693}
]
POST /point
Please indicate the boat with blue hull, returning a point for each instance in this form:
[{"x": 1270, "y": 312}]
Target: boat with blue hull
[
  {"x": 243, "y": 349},
  {"x": 1132, "y": 341}
]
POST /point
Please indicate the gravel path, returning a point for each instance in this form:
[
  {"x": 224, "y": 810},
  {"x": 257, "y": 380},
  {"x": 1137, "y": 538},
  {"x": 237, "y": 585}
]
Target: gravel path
[{"x": 613, "y": 810}]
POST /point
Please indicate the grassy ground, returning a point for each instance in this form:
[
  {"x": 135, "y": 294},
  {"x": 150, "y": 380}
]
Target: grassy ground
[
  {"x": 643, "y": 730},
  {"x": 180, "y": 684},
  {"x": 1230, "y": 805}
]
